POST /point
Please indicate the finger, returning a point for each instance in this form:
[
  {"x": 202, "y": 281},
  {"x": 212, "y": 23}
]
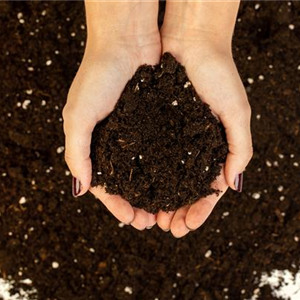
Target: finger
[
  {"x": 78, "y": 133},
  {"x": 118, "y": 206},
  {"x": 238, "y": 134},
  {"x": 200, "y": 211},
  {"x": 142, "y": 219},
  {"x": 164, "y": 219},
  {"x": 178, "y": 226}
]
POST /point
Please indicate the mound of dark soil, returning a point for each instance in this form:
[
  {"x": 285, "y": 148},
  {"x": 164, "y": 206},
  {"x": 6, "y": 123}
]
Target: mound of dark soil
[{"x": 161, "y": 148}]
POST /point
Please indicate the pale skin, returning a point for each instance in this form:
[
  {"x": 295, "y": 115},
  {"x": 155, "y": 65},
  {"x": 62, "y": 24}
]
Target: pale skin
[{"x": 121, "y": 37}]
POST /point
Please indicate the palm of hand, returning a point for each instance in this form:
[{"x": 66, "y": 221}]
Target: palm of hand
[
  {"x": 92, "y": 96},
  {"x": 216, "y": 80}
]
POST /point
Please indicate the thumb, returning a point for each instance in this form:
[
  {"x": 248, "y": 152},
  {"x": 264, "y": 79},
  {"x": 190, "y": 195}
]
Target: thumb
[
  {"x": 78, "y": 131},
  {"x": 238, "y": 133}
]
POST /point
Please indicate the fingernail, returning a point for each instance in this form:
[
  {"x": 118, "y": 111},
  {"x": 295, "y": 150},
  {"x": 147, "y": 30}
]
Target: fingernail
[
  {"x": 149, "y": 227},
  {"x": 166, "y": 230},
  {"x": 238, "y": 182},
  {"x": 76, "y": 187}
]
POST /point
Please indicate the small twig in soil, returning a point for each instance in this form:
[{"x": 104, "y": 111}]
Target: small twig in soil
[
  {"x": 130, "y": 175},
  {"x": 112, "y": 168}
]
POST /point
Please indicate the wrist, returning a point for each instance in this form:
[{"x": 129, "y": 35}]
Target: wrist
[
  {"x": 126, "y": 23},
  {"x": 200, "y": 22}
]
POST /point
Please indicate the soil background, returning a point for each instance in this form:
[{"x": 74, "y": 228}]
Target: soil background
[{"x": 247, "y": 233}]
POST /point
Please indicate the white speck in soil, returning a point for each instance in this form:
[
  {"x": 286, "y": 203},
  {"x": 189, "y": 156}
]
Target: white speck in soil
[
  {"x": 175, "y": 103},
  {"x": 281, "y": 156},
  {"x": 296, "y": 238},
  {"x": 55, "y": 265},
  {"x": 189, "y": 153},
  {"x": 178, "y": 274},
  {"x": 280, "y": 188},
  {"x": 249, "y": 57},
  {"x": 194, "y": 98},
  {"x": 25, "y": 236},
  {"x": 208, "y": 253},
  {"x": 257, "y": 6},
  {"x": 283, "y": 213},
  {"x": 296, "y": 164},
  {"x": 230, "y": 244},
  {"x": 19, "y": 104},
  {"x": 44, "y": 12},
  {"x": 225, "y": 290},
  {"x": 60, "y": 149},
  {"x": 30, "y": 69},
  {"x": 225, "y": 213},
  {"x": 261, "y": 77},
  {"x": 206, "y": 168},
  {"x": 92, "y": 250},
  {"x": 271, "y": 66},
  {"x": 99, "y": 173},
  {"x": 56, "y": 52},
  {"x": 292, "y": 155},
  {"x": 250, "y": 80},
  {"x": 133, "y": 158},
  {"x": 298, "y": 68},
  {"x": 20, "y": 15},
  {"x": 22, "y": 200},
  {"x": 275, "y": 163},
  {"x": 9, "y": 115},
  {"x": 268, "y": 163},
  {"x": 182, "y": 162},
  {"x": 218, "y": 230},
  {"x": 140, "y": 156},
  {"x": 174, "y": 285},
  {"x": 258, "y": 117},
  {"x": 291, "y": 26},
  {"x": 73, "y": 34},
  {"x": 22, "y": 21},
  {"x": 26, "y": 103},
  {"x": 62, "y": 192},
  {"x": 67, "y": 172},
  {"x": 243, "y": 291},
  {"x": 187, "y": 84},
  {"x": 128, "y": 290},
  {"x": 29, "y": 92},
  {"x": 256, "y": 196},
  {"x": 49, "y": 62},
  {"x": 281, "y": 198},
  {"x": 43, "y": 103},
  {"x": 121, "y": 225},
  {"x": 79, "y": 211},
  {"x": 4, "y": 174},
  {"x": 10, "y": 233}
]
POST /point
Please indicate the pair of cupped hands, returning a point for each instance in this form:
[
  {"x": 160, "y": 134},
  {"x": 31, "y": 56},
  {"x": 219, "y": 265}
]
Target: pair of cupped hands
[{"x": 107, "y": 66}]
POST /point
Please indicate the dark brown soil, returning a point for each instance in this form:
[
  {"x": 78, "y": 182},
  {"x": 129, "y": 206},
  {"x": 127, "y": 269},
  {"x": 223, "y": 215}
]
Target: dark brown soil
[
  {"x": 161, "y": 148},
  {"x": 248, "y": 233}
]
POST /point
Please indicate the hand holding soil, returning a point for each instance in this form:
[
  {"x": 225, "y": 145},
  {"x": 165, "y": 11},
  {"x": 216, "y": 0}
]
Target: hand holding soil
[
  {"x": 99, "y": 82},
  {"x": 105, "y": 71}
]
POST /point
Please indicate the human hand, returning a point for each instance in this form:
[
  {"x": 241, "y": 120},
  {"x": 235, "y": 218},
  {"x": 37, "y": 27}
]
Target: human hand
[
  {"x": 98, "y": 84},
  {"x": 212, "y": 71}
]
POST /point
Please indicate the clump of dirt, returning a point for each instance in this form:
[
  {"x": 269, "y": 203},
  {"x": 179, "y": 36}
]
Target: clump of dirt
[{"x": 161, "y": 147}]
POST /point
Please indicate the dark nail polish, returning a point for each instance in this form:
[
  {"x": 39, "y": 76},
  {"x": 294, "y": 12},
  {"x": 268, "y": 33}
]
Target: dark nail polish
[
  {"x": 76, "y": 187},
  {"x": 238, "y": 182}
]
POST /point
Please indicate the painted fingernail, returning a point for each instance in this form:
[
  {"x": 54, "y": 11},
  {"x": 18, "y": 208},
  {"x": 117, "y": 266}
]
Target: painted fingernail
[
  {"x": 76, "y": 187},
  {"x": 238, "y": 182}
]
